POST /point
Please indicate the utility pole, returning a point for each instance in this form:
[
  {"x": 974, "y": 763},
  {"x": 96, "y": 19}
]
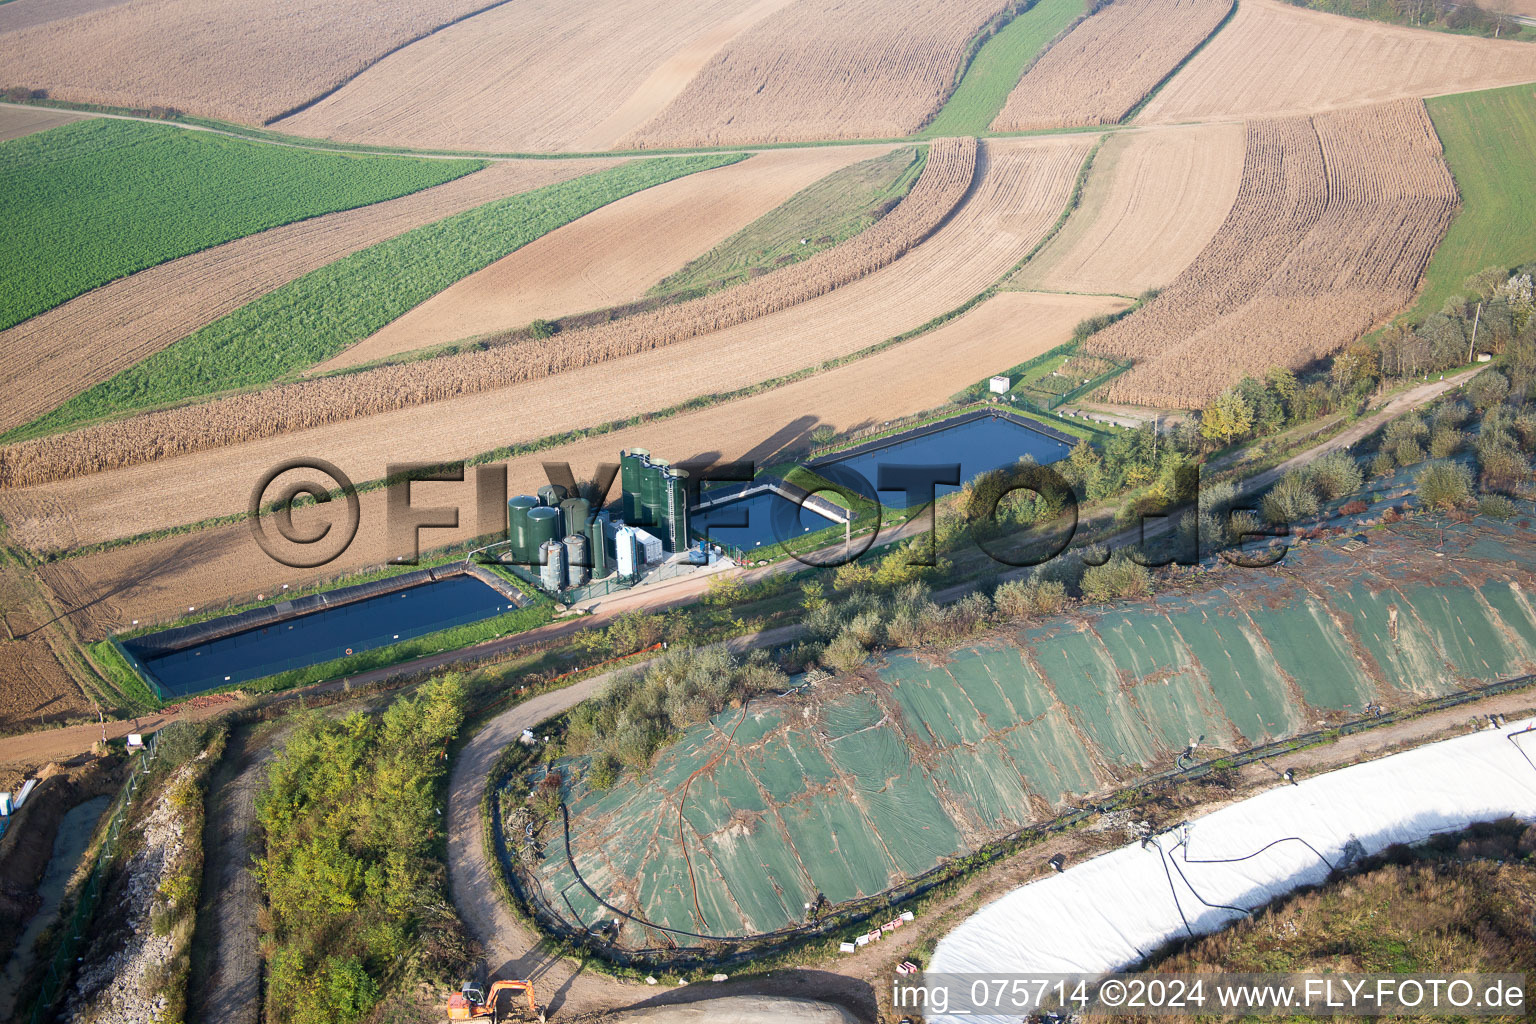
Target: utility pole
[{"x": 1475, "y": 318}]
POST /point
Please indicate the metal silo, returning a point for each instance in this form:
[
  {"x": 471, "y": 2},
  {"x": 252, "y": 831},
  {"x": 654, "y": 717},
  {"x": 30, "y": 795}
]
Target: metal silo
[
  {"x": 676, "y": 532},
  {"x": 631, "y": 467},
  {"x": 626, "y": 553},
  {"x": 551, "y": 495},
  {"x": 576, "y": 513},
  {"x": 543, "y": 526},
  {"x": 597, "y": 544},
  {"x": 578, "y": 560},
  {"x": 653, "y": 493},
  {"x": 517, "y": 527},
  {"x": 552, "y": 574}
]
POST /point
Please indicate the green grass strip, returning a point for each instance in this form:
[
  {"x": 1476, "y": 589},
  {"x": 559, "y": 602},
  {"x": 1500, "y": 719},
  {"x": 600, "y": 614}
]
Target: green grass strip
[
  {"x": 89, "y": 202},
  {"x": 318, "y": 315},
  {"x": 122, "y": 678},
  {"x": 1490, "y": 144},
  {"x": 998, "y": 66}
]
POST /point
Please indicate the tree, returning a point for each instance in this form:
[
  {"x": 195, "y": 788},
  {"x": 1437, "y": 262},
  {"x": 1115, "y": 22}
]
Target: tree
[{"x": 1228, "y": 415}]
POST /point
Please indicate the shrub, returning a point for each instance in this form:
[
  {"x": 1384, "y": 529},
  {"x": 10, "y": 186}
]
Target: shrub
[
  {"x": 1383, "y": 464},
  {"x": 1404, "y": 428},
  {"x": 1020, "y": 599},
  {"x": 1444, "y": 485},
  {"x": 1117, "y": 578},
  {"x": 1445, "y": 442},
  {"x": 823, "y": 434},
  {"x": 844, "y": 654},
  {"x": 1292, "y": 499},
  {"x": 1335, "y": 475},
  {"x": 542, "y": 329},
  {"x": 1408, "y": 452},
  {"x": 1496, "y": 506},
  {"x": 1488, "y": 389}
]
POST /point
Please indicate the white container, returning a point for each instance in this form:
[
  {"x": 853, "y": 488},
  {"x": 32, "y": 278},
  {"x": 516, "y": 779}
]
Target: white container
[
  {"x": 1001, "y": 385},
  {"x": 626, "y": 554}
]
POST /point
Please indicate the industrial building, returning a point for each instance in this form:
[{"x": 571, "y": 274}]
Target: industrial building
[{"x": 571, "y": 544}]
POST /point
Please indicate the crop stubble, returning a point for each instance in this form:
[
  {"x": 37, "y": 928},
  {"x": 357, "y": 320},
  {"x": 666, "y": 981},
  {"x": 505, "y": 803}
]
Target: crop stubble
[
  {"x": 1154, "y": 198},
  {"x": 1108, "y": 63},
  {"x": 1277, "y": 59},
  {"x": 159, "y": 578},
  {"x": 58, "y": 354},
  {"x": 608, "y": 257},
  {"x": 1023, "y": 186},
  {"x": 824, "y": 69},
  {"x": 158, "y": 435},
  {"x": 1336, "y": 217},
  {"x": 530, "y": 76}
]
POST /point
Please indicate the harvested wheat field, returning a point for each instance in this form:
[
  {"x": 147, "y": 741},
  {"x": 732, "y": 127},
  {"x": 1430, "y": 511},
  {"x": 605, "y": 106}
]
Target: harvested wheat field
[
  {"x": 18, "y": 15},
  {"x": 1334, "y": 222},
  {"x": 1276, "y": 59},
  {"x": 161, "y": 577},
  {"x": 946, "y": 176},
  {"x": 1023, "y": 188},
  {"x": 1109, "y": 63},
  {"x": 825, "y": 69},
  {"x": 56, "y": 355},
  {"x": 1154, "y": 198},
  {"x": 530, "y": 76},
  {"x": 18, "y": 121},
  {"x": 211, "y": 57},
  {"x": 610, "y": 256}
]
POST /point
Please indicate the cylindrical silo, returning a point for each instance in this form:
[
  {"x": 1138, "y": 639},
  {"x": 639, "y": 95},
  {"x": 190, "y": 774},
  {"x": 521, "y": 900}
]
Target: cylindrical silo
[
  {"x": 517, "y": 527},
  {"x": 543, "y": 526},
  {"x": 626, "y": 555},
  {"x": 578, "y": 561},
  {"x": 597, "y": 544},
  {"x": 576, "y": 512},
  {"x": 631, "y": 467},
  {"x": 552, "y": 574},
  {"x": 676, "y": 533},
  {"x": 653, "y": 494},
  {"x": 551, "y": 495}
]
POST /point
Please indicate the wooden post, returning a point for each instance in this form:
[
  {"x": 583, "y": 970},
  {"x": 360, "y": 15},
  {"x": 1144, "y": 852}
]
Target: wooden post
[{"x": 1473, "y": 343}]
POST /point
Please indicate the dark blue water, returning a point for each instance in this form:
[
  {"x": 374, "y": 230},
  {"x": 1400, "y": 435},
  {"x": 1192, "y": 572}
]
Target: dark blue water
[
  {"x": 762, "y": 520},
  {"x": 324, "y": 635},
  {"x": 978, "y": 446}
]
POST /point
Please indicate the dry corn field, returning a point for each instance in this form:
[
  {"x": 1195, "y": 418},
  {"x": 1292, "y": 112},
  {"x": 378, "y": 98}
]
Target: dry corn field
[
  {"x": 608, "y": 257},
  {"x": 58, "y": 354},
  {"x": 1277, "y": 59},
  {"x": 1108, "y": 63},
  {"x": 1021, "y": 190},
  {"x": 1154, "y": 199},
  {"x": 944, "y": 181},
  {"x": 212, "y": 57},
  {"x": 825, "y": 69},
  {"x": 1334, "y": 222},
  {"x": 530, "y": 76},
  {"x": 159, "y": 578}
]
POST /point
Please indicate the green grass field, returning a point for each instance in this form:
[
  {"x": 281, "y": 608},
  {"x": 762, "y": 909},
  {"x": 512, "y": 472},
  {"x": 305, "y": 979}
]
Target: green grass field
[
  {"x": 830, "y": 211},
  {"x": 316, "y": 316},
  {"x": 999, "y": 65},
  {"x": 1490, "y": 144},
  {"x": 92, "y": 201}
]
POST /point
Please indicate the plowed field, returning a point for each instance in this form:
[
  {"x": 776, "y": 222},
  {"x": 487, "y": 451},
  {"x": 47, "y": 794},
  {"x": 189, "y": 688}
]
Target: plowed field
[
  {"x": 53, "y": 357},
  {"x": 1334, "y": 222},
  {"x": 824, "y": 69},
  {"x": 1153, "y": 201},
  {"x": 18, "y": 121},
  {"x": 1023, "y": 187},
  {"x": 532, "y": 76},
  {"x": 158, "y": 578},
  {"x": 1108, "y": 63},
  {"x": 213, "y": 57},
  {"x": 1277, "y": 59},
  {"x": 610, "y": 256}
]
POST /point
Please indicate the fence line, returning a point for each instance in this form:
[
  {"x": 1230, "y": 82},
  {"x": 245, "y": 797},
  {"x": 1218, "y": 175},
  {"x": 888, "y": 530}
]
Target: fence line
[{"x": 60, "y": 968}]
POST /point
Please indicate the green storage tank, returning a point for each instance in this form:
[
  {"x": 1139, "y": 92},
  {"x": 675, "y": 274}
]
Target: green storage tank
[
  {"x": 597, "y": 547},
  {"x": 653, "y": 491},
  {"x": 517, "y": 527},
  {"x": 631, "y": 468},
  {"x": 676, "y": 533},
  {"x": 543, "y": 528},
  {"x": 575, "y": 513},
  {"x": 551, "y": 495}
]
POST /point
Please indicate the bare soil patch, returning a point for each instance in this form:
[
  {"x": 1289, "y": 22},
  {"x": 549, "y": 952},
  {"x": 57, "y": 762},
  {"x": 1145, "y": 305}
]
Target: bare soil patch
[
  {"x": 1277, "y": 59},
  {"x": 18, "y": 121}
]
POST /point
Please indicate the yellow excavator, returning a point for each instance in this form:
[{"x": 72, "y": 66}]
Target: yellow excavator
[{"x": 470, "y": 1004}]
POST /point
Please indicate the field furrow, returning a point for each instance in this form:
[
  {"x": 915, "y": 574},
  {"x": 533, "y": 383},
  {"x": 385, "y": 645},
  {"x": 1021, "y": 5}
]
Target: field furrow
[
  {"x": 161, "y": 577},
  {"x": 825, "y": 69},
  {"x": 1154, "y": 199},
  {"x": 1109, "y": 63},
  {"x": 1275, "y": 59},
  {"x": 1334, "y": 222},
  {"x": 55, "y": 356},
  {"x": 530, "y": 76},
  {"x": 608, "y": 257},
  {"x": 946, "y": 176},
  {"x": 1022, "y": 188}
]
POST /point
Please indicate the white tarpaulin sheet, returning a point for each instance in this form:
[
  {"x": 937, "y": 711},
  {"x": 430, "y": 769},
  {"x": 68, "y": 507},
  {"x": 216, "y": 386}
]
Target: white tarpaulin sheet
[{"x": 1110, "y": 912}]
